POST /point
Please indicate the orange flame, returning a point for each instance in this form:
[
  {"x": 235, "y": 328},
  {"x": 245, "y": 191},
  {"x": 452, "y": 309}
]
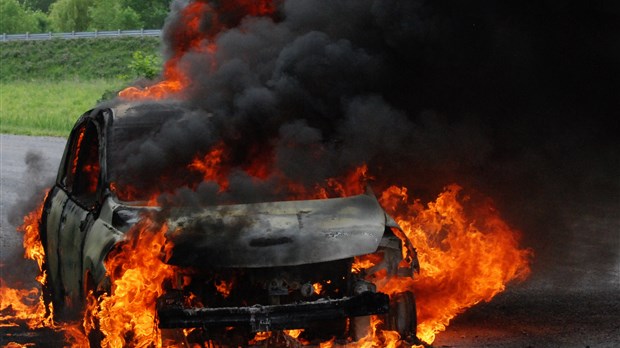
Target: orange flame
[
  {"x": 18, "y": 345},
  {"x": 210, "y": 166},
  {"x": 464, "y": 258},
  {"x": 21, "y": 304},
  {"x": 78, "y": 146},
  {"x": 318, "y": 288},
  {"x": 467, "y": 254},
  {"x": 350, "y": 185},
  {"x": 127, "y": 315},
  {"x": 259, "y": 337},
  {"x": 193, "y": 38},
  {"x": 294, "y": 333},
  {"x": 33, "y": 248},
  {"x": 28, "y": 304},
  {"x": 174, "y": 79},
  {"x": 363, "y": 262},
  {"x": 224, "y": 288},
  {"x": 129, "y": 193},
  {"x": 158, "y": 91}
]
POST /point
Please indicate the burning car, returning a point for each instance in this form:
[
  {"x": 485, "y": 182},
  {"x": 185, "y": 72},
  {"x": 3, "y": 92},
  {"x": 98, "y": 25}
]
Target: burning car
[{"x": 239, "y": 268}]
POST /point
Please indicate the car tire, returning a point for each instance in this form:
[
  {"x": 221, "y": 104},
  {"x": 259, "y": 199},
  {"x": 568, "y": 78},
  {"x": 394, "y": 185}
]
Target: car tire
[
  {"x": 402, "y": 316},
  {"x": 359, "y": 327}
]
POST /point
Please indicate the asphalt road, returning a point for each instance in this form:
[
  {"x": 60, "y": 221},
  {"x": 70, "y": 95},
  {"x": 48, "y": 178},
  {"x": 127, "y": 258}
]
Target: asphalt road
[
  {"x": 27, "y": 166},
  {"x": 574, "y": 301}
]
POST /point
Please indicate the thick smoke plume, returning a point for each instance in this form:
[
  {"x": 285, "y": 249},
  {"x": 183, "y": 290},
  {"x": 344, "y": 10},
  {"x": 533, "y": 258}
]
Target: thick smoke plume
[{"x": 498, "y": 97}]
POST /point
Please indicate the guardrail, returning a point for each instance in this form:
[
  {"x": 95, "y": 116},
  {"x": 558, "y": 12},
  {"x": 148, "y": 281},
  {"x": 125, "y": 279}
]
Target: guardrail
[{"x": 80, "y": 35}]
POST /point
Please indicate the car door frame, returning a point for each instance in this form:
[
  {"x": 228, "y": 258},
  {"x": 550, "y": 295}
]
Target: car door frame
[{"x": 66, "y": 220}]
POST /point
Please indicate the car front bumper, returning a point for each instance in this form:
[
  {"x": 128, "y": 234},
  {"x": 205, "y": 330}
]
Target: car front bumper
[{"x": 272, "y": 317}]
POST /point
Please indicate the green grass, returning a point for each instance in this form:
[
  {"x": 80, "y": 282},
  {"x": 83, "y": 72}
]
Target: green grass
[
  {"x": 48, "y": 107},
  {"x": 60, "y": 59},
  {"x": 46, "y": 85}
]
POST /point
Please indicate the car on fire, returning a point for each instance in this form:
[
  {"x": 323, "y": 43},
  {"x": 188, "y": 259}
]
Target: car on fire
[{"x": 291, "y": 263}]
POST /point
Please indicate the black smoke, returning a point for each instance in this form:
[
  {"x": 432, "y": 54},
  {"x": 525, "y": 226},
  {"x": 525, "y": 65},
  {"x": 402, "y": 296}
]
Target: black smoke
[{"x": 516, "y": 99}]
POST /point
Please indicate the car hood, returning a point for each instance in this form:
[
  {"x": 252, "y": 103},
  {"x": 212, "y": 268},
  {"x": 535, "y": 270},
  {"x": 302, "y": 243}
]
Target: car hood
[{"x": 276, "y": 233}]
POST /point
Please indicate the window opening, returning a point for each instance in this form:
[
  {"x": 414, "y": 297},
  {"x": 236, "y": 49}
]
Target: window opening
[{"x": 84, "y": 171}]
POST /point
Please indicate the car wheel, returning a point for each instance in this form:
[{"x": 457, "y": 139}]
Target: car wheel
[
  {"x": 359, "y": 327},
  {"x": 402, "y": 316}
]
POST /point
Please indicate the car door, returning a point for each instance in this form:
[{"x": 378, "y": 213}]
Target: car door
[{"x": 78, "y": 196}]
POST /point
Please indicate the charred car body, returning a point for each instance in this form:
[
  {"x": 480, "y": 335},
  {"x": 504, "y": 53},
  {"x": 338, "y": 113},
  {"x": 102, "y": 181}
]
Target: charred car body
[{"x": 252, "y": 267}]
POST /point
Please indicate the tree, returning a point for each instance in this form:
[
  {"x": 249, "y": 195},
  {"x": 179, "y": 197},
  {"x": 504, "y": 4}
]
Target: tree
[
  {"x": 70, "y": 15},
  {"x": 145, "y": 65},
  {"x": 152, "y": 12},
  {"x": 42, "y": 21},
  {"x": 37, "y": 5},
  {"x": 112, "y": 14},
  {"x": 15, "y": 19}
]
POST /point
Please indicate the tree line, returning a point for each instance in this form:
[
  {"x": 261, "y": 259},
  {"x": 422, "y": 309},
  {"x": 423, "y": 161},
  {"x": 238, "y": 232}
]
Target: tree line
[{"x": 41, "y": 16}]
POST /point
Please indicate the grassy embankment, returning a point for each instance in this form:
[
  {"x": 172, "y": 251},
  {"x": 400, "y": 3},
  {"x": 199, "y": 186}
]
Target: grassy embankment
[{"x": 46, "y": 85}]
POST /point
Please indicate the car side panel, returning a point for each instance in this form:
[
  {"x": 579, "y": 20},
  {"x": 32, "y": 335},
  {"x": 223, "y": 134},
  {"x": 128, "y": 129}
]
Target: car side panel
[
  {"x": 100, "y": 239},
  {"x": 58, "y": 198},
  {"x": 74, "y": 221}
]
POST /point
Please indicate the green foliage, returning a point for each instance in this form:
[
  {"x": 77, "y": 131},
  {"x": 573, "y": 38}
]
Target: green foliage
[
  {"x": 70, "y": 15},
  {"x": 48, "y": 108},
  {"x": 112, "y": 15},
  {"x": 145, "y": 65},
  {"x": 83, "y": 59},
  {"x": 44, "y": 24},
  {"x": 15, "y": 18},
  {"x": 128, "y": 14},
  {"x": 35, "y": 16},
  {"x": 108, "y": 94},
  {"x": 38, "y": 5},
  {"x": 152, "y": 12}
]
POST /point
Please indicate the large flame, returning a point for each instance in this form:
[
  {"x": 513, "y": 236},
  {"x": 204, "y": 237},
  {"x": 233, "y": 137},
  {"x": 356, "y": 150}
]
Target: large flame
[
  {"x": 127, "y": 315},
  {"x": 467, "y": 254},
  {"x": 28, "y": 304}
]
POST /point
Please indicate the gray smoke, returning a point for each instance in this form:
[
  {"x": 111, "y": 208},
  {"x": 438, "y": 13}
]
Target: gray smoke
[{"x": 37, "y": 179}]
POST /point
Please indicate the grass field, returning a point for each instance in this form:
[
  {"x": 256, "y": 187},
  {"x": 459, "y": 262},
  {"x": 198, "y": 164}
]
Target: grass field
[
  {"x": 46, "y": 85},
  {"x": 48, "y": 107},
  {"x": 83, "y": 59}
]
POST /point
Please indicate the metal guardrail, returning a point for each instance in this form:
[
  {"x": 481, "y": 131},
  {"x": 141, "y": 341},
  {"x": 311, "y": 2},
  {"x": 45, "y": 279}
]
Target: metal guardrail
[{"x": 80, "y": 35}]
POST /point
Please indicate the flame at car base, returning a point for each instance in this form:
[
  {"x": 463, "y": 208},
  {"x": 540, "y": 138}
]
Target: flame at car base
[
  {"x": 27, "y": 304},
  {"x": 465, "y": 259}
]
